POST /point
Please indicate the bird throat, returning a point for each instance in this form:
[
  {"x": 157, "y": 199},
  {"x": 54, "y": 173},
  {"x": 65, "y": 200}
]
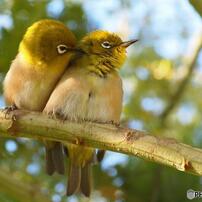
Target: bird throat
[{"x": 100, "y": 66}]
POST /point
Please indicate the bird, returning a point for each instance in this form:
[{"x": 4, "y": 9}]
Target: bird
[
  {"x": 90, "y": 89},
  {"x": 43, "y": 55}
]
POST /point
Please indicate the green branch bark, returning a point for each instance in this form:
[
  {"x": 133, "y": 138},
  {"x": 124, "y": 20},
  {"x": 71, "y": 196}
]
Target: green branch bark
[{"x": 104, "y": 136}]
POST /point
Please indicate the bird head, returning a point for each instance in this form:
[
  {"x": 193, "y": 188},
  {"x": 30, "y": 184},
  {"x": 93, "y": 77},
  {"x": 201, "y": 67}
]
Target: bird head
[
  {"x": 107, "y": 46},
  {"x": 47, "y": 41}
]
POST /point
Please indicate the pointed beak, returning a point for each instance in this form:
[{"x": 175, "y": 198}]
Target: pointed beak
[
  {"x": 125, "y": 44},
  {"x": 75, "y": 49}
]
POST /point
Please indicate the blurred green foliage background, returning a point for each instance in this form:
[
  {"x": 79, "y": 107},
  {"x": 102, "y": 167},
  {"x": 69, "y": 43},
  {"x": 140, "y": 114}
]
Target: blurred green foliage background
[{"x": 162, "y": 94}]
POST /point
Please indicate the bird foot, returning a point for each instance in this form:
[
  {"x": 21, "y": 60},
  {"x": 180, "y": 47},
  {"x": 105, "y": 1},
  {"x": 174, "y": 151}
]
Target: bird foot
[
  {"x": 114, "y": 123},
  {"x": 108, "y": 122},
  {"x": 9, "y": 109}
]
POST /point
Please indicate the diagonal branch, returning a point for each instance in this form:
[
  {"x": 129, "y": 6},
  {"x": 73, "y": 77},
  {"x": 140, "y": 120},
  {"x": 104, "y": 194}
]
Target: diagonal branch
[
  {"x": 104, "y": 136},
  {"x": 188, "y": 64}
]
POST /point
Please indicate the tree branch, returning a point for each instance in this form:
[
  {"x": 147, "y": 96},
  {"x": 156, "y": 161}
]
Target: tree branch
[
  {"x": 188, "y": 64},
  {"x": 104, "y": 136}
]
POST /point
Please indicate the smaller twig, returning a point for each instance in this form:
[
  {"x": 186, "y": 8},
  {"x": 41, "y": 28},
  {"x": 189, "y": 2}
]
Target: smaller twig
[{"x": 188, "y": 64}]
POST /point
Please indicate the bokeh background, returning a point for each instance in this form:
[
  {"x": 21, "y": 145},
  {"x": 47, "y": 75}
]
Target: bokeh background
[{"x": 162, "y": 95}]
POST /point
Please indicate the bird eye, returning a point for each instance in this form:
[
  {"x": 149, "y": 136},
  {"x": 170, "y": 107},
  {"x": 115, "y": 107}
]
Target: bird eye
[
  {"x": 62, "y": 48},
  {"x": 106, "y": 44}
]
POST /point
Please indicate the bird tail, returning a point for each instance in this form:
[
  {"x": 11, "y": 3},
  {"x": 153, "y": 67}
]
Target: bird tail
[
  {"x": 86, "y": 177},
  {"x": 79, "y": 179},
  {"x": 54, "y": 158}
]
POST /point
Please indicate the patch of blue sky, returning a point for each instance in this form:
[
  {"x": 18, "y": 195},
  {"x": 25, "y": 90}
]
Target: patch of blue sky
[
  {"x": 56, "y": 198},
  {"x": 168, "y": 21},
  {"x": 142, "y": 73},
  {"x": 186, "y": 113},
  {"x": 33, "y": 168},
  {"x": 153, "y": 104},
  {"x": 2, "y": 103},
  {"x": 190, "y": 16},
  {"x": 55, "y": 7},
  {"x": 178, "y": 19},
  {"x": 11, "y": 146},
  {"x": 60, "y": 187},
  {"x": 5, "y": 21},
  {"x": 136, "y": 124},
  {"x": 169, "y": 48},
  {"x": 138, "y": 11},
  {"x": 103, "y": 13},
  {"x": 112, "y": 159}
]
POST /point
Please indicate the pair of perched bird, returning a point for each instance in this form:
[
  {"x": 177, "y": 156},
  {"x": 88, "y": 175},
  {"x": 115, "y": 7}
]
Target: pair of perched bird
[{"x": 54, "y": 74}]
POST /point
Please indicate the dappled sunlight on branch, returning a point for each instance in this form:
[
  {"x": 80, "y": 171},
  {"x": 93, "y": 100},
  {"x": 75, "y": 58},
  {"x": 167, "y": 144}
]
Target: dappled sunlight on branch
[{"x": 166, "y": 151}]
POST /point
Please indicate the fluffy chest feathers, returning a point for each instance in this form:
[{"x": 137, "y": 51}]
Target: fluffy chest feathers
[
  {"x": 82, "y": 94},
  {"x": 28, "y": 87}
]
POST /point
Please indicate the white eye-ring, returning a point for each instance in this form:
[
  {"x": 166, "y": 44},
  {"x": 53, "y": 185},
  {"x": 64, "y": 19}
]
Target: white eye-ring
[
  {"x": 106, "y": 44},
  {"x": 62, "y": 48}
]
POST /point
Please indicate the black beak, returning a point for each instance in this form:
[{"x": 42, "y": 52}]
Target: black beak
[
  {"x": 125, "y": 44},
  {"x": 75, "y": 49}
]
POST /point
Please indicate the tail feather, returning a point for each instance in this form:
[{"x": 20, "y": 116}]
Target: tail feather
[
  {"x": 50, "y": 168},
  {"x": 85, "y": 185},
  {"x": 74, "y": 179},
  {"x": 58, "y": 158},
  {"x": 80, "y": 159},
  {"x": 100, "y": 155},
  {"x": 54, "y": 158}
]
